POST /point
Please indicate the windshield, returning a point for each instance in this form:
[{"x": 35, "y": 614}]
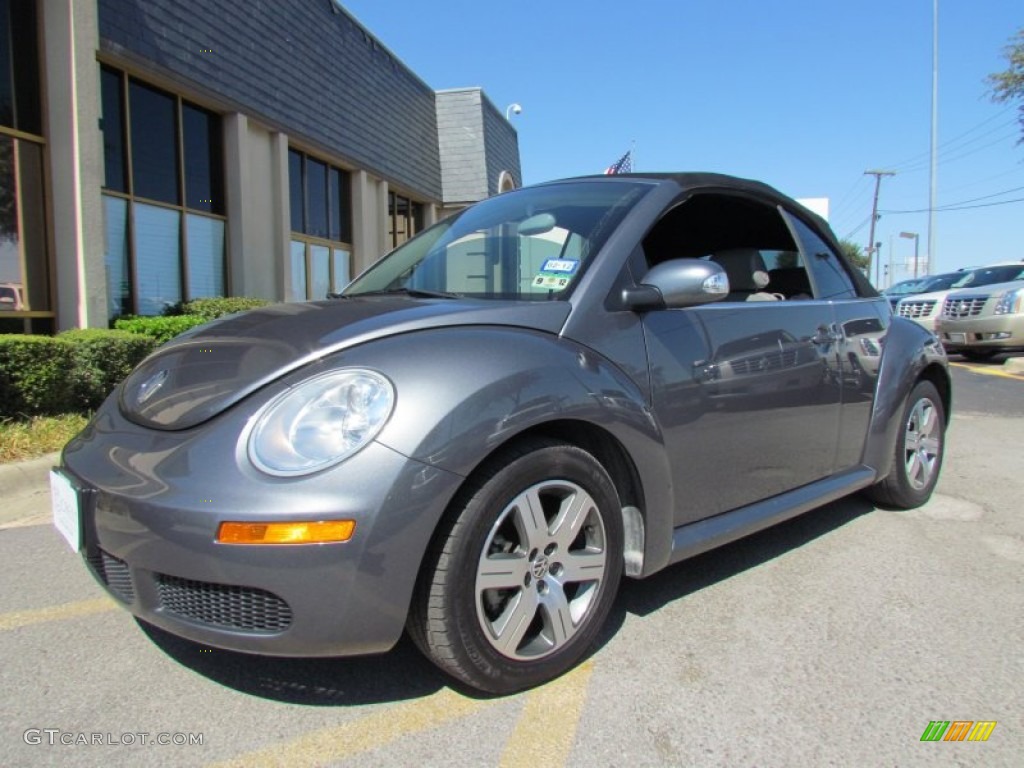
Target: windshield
[
  {"x": 989, "y": 275},
  {"x": 940, "y": 282},
  {"x": 907, "y": 286},
  {"x": 531, "y": 244}
]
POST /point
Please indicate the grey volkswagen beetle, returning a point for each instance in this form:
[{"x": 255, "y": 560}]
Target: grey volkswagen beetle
[{"x": 487, "y": 429}]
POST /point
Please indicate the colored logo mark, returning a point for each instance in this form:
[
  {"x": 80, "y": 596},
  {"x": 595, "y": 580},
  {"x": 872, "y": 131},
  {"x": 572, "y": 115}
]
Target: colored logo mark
[{"x": 958, "y": 730}]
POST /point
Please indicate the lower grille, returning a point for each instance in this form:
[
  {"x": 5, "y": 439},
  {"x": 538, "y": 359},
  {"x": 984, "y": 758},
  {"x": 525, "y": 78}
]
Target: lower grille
[
  {"x": 113, "y": 573},
  {"x": 223, "y": 605}
]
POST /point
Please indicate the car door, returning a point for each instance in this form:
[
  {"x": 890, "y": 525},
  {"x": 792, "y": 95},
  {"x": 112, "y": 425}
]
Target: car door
[
  {"x": 861, "y": 324},
  {"x": 746, "y": 392}
]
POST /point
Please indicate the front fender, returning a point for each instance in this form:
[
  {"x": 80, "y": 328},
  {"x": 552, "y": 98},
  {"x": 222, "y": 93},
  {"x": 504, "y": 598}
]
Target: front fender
[
  {"x": 463, "y": 392},
  {"x": 910, "y": 353}
]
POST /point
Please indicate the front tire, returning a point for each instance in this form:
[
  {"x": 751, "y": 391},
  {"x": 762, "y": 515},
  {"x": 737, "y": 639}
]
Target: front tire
[
  {"x": 519, "y": 583},
  {"x": 920, "y": 447}
]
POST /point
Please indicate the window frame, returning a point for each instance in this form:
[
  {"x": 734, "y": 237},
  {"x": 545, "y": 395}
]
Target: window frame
[
  {"x": 26, "y": 74},
  {"x": 340, "y": 209},
  {"x": 181, "y": 207}
]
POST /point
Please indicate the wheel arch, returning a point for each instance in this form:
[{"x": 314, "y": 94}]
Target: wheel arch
[
  {"x": 912, "y": 354},
  {"x": 610, "y": 453}
]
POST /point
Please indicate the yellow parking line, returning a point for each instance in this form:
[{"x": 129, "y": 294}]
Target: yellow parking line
[
  {"x": 362, "y": 734},
  {"x": 547, "y": 726},
  {"x": 19, "y": 619},
  {"x": 989, "y": 371}
]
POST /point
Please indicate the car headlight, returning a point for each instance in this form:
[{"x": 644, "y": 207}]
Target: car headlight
[
  {"x": 1009, "y": 303},
  {"x": 321, "y": 422}
]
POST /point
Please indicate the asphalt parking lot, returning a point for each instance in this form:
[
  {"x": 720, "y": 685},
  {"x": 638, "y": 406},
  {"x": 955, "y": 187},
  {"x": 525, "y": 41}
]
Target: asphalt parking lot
[{"x": 834, "y": 639}]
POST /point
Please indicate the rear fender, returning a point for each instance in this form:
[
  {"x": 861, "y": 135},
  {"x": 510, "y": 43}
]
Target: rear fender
[{"x": 911, "y": 353}]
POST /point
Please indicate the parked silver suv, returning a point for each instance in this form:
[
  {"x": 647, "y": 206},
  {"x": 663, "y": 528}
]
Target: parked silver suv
[
  {"x": 924, "y": 308},
  {"x": 979, "y": 323}
]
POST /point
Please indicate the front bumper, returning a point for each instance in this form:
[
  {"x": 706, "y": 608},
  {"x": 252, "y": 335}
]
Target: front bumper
[
  {"x": 150, "y": 505},
  {"x": 986, "y": 332}
]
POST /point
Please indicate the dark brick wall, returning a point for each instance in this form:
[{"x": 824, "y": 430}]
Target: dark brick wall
[
  {"x": 501, "y": 146},
  {"x": 298, "y": 64}
]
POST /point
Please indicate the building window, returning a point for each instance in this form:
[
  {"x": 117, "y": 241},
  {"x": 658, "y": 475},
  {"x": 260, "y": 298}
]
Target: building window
[
  {"x": 405, "y": 218},
  {"x": 24, "y": 259},
  {"x": 164, "y": 201},
  {"x": 321, "y": 216}
]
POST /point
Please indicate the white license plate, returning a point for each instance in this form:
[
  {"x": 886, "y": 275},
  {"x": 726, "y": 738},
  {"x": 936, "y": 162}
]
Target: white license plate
[
  {"x": 66, "y": 516},
  {"x": 958, "y": 338}
]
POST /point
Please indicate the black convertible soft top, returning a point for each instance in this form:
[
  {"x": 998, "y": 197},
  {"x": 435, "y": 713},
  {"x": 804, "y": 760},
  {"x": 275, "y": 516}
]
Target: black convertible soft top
[{"x": 706, "y": 181}]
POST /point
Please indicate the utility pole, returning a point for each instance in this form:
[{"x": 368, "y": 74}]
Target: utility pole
[{"x": 874, "y": 214}]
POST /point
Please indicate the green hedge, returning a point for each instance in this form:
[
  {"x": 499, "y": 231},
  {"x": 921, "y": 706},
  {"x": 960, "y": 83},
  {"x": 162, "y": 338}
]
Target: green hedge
[
  {"x": 75, "y": 371},
  {"x": 211, "y": 309},
  {"x": 102, "y": 359},
  {"x": 183, "y": 317},
  {"x": 160, "y": 328},
  {"x": 69, "y": 373},
  {"x": 35, "y": 375}
]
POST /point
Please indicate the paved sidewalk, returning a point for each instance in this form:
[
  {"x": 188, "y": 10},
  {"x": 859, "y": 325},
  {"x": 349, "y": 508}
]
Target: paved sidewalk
[{"x": 25, "y": 491}]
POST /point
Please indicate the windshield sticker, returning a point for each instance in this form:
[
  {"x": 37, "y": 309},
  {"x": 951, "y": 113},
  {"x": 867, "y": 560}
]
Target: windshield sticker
[
  {"x": 547, "y": 280},
  {"x": 565, "y": 266}
]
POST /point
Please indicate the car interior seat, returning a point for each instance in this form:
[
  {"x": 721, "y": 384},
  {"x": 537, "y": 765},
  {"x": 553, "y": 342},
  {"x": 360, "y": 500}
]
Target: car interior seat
[
  {"x": 791, "y": 282},
  {"x": 747, "y": 275}
]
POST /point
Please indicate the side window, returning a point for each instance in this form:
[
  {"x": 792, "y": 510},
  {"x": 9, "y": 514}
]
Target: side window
[
  {"x": 747, "y": 237},
  {"x": 831, "y": 278}
]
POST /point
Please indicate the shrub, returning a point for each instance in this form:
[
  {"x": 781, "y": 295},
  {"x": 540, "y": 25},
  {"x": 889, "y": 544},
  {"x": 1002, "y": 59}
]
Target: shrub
[
  {"x": 211, "y": 309},
  {"x": 159, "y": 328},
  {"x": 102, "y": 359},
  {"x": 35, "y": 375}
]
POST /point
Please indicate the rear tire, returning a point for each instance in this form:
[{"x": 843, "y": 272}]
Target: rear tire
[
  {"x": 516, "y": 588},
  {"x": 920, "y": 447}
]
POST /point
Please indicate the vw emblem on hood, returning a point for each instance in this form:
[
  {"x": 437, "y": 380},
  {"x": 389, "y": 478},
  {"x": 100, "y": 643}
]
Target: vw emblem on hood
[{"x": 149, "y": 387}]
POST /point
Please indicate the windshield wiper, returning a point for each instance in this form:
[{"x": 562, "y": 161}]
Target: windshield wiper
[{"x": 419, "y": 293}]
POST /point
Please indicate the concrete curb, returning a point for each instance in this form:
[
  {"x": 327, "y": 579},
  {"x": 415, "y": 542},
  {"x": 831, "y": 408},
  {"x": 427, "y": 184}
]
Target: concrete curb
[
  {"x": 22, "y": 483},
  {"x": 31, "y": 474},
  {"x": 1014, "y": 365}
]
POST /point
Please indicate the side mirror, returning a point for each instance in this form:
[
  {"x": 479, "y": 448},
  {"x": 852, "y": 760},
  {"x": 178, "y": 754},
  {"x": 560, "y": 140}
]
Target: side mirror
[{"x": 676, "y": 284}]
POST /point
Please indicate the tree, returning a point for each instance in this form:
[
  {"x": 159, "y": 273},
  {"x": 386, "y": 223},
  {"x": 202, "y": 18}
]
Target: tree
[
  {"x": 855, "y": 255},
  {"x": 1008, "y": 86}
]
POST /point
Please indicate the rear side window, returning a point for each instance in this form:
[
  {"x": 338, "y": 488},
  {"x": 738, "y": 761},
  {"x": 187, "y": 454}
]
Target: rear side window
[{"x": 832, "y": 281}]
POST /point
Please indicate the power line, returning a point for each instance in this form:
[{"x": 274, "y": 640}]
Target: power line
[
  {"x": 858, "y": 228},
  {"x": 947, "y": 208},
  {"x": 946, "y": 158},
  {"x": 915, "y": 159}
]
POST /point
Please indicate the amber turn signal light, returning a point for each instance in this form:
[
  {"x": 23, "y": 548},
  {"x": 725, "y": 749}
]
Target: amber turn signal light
[{"x": 310, "y": 532}]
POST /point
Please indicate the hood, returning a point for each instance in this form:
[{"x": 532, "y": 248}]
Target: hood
[
  {"x": 988, "y": 290},
  {"x": 201, "y": 373}
]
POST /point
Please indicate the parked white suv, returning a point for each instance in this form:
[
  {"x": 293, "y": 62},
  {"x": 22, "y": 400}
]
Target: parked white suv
[{"x": 925, "y": 308}]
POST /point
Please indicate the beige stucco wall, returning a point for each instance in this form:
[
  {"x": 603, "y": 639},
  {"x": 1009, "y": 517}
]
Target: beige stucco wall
[{"x": 75, "y": 171}]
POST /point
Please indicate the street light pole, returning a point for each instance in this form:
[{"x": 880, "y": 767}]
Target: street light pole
[{"x": 933, "y": 173}]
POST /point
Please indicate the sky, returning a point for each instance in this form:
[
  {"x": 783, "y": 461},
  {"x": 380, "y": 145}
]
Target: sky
[{"x": 805, "y": 95}]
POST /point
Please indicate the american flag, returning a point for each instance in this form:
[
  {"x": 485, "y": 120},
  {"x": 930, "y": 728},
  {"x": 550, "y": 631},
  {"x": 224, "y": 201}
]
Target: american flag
[{"x": 624, "y": 165}]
